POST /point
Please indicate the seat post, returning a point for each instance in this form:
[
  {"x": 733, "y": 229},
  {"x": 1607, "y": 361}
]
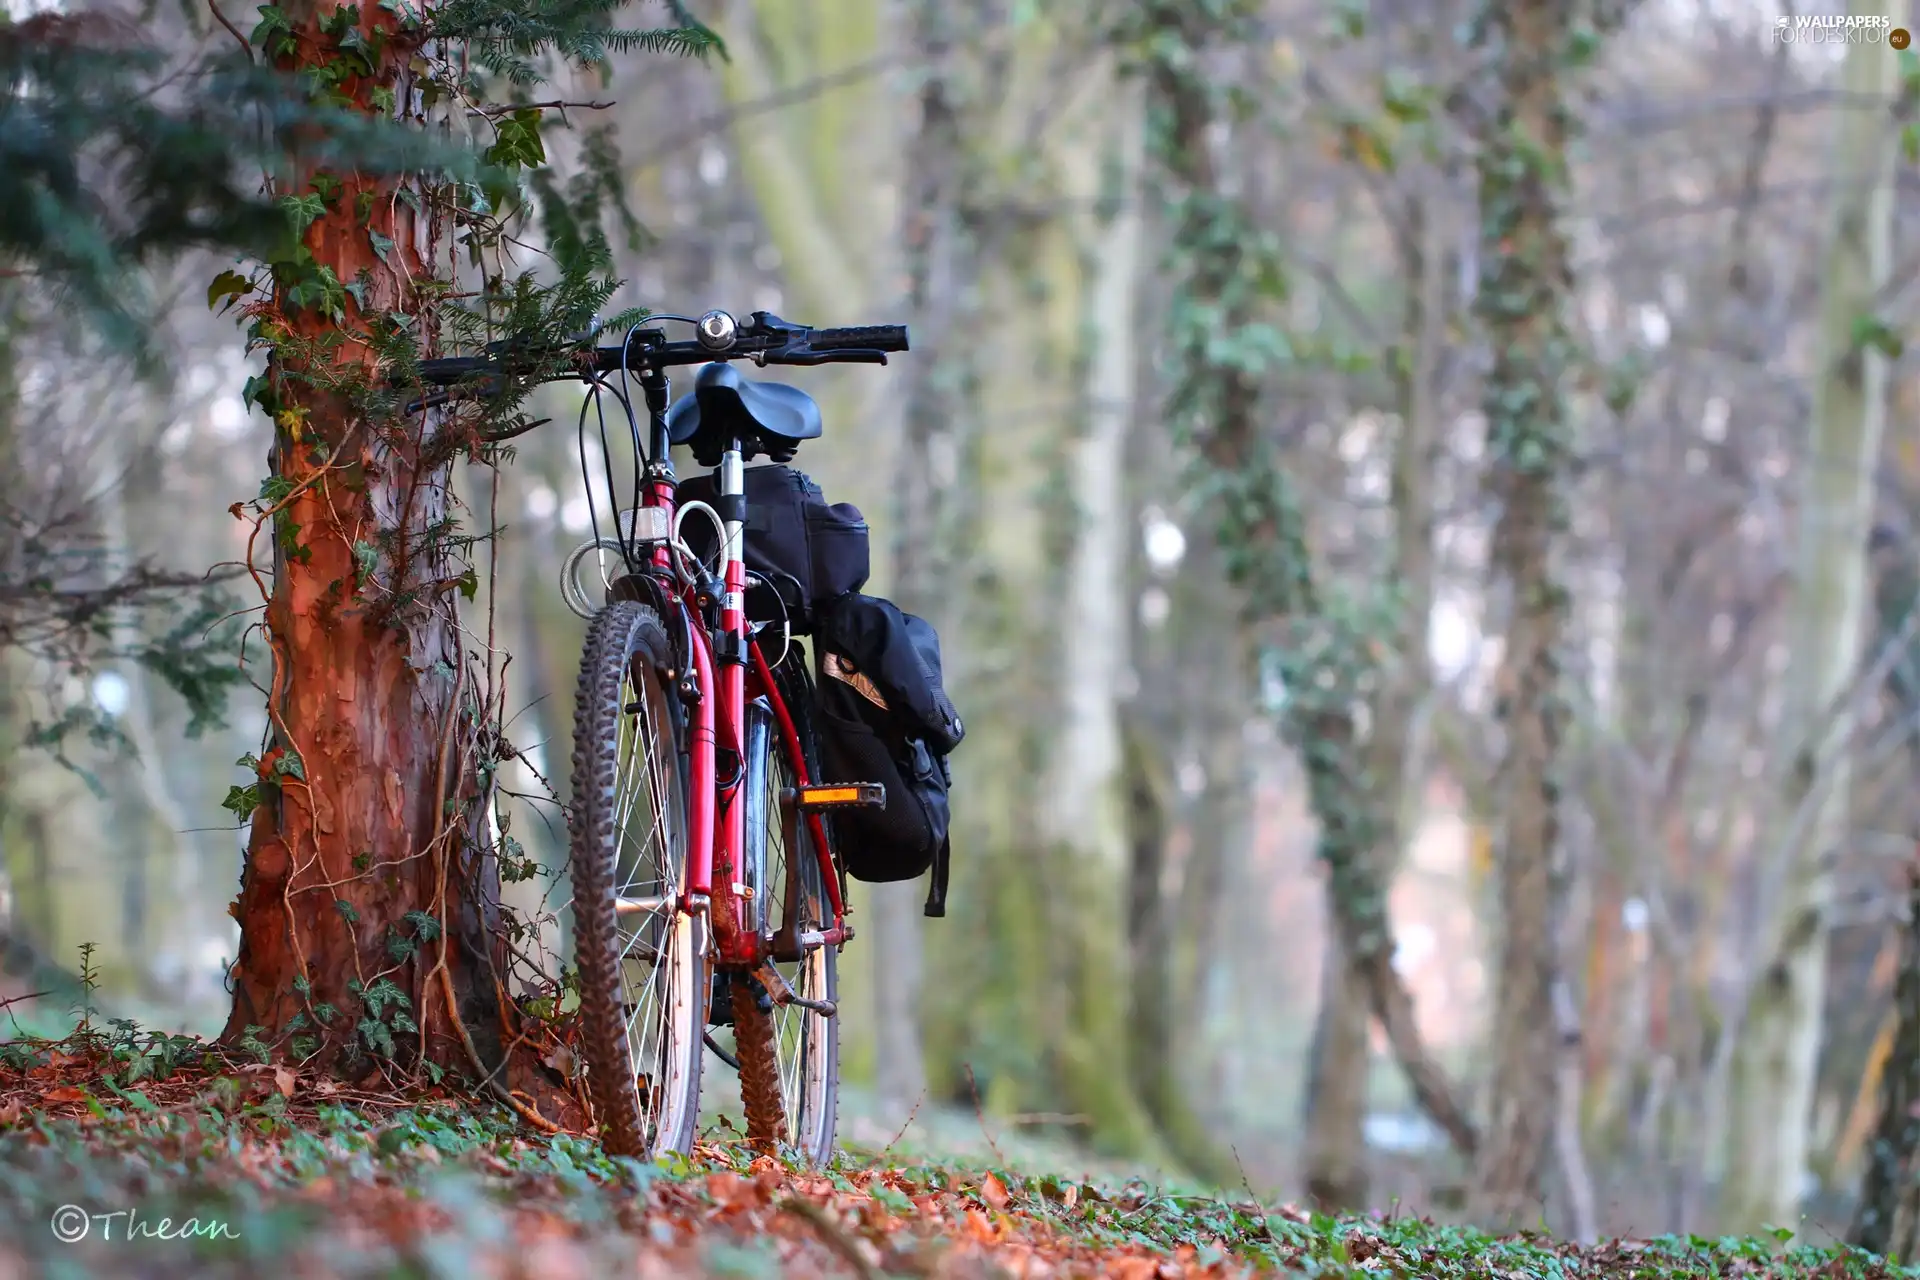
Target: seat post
[{"x": 733, "y": 513}]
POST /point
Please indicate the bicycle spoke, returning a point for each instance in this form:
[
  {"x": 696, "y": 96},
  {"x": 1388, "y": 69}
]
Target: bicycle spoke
[
  {"x": 652, "y": 869},
  {"x": 804, "y": 1058}
]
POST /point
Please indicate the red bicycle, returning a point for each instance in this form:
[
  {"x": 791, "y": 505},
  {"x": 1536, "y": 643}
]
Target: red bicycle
[{"x": 706, "y": 888}]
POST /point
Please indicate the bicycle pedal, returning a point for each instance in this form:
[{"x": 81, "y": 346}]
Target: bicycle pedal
[
  {"x": 841, "y": 795},
  {"x": 782, "y": 992}
]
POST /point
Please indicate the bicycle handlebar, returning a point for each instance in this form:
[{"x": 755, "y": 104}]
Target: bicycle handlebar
[
  {"x": 878, "y": 337},
  {"x": 764, "y": 338}
]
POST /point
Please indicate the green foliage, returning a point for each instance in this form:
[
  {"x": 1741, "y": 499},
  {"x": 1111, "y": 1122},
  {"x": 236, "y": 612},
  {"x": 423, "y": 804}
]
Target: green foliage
[
  {"x": 79, "y": 722},
  {"x": 402, "y": 948},
  {"x": 274, "y": 32},
  {"x": 507, "y": 40},
  {"x": 230, "y": 285},
  {"x": 64, "y": 606},
  {"x": 66, "y": 100},
  {"x": 473, "y": 1163},
  {"x": 99, "y": 172},
  {"x": 573, "y": 214},
  {"x": 195, "y": 656},
  {"x": 89, "y": 987},
  {"x": 385, "y": 1007},
  {"x": 241, "y": 801},
  {"x": 1872, "y": 332},
  {"x": 517, "y": 142},
  {"x": 251, "y": 1043}
]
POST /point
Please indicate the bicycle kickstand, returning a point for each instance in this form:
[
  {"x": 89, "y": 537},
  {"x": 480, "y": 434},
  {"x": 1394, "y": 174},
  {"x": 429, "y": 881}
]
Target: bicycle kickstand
[{"x": 783, "y": 993}]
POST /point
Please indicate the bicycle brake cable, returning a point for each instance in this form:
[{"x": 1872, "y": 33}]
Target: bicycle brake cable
[{"x": 597, "y": 385}]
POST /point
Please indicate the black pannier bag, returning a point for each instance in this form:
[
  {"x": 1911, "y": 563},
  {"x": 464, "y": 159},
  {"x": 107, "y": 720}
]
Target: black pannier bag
[
  {"x": 806, "y": 550},
  {"x": 882, "y": 716}
]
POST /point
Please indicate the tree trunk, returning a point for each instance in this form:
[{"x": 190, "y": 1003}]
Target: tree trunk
[
  {"x": 1778, "y": 1047},
  {"x": 1083, "y": 811},
  {"x": 1887, "y": 1211},
  {"x": 1525, "y": 279},
  {"x": 938, "y": 265},
  {"x": 1260, "y": 528},
  {"x": 1336, "y": 1092},
  {"x": 1149, "y": 928},
  {"x": 1164, "y": 1013},
  {"x": 368, "y": 905},
  {"x": 1339, "y": 1065}
]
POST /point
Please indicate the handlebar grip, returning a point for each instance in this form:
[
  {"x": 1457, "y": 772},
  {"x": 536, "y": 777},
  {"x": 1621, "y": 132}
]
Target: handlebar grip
[
  {"x": 451, "y": 369},
  {"x": 874, "y": 337},
  {"x": 847, "y": 355}
]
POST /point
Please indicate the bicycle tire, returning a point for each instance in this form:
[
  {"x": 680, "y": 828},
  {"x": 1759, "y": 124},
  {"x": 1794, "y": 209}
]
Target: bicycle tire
[
  {"x": 789, "y": 1057},
  {"x": 643, "y": 1068}
]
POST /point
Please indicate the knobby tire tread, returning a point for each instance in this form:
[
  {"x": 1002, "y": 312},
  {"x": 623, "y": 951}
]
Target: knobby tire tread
[
  {"x": 759, "y": 1070},
  {"x": 755, "y": 1032},
  {"x": 798, "y": 692},
  {"x": 625, "y": 632}
]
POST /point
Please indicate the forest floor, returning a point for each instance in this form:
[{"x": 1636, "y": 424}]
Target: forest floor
[{"x": 126, "y": 1156}]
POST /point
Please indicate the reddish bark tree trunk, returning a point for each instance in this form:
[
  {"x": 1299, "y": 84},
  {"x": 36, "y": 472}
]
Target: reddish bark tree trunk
[{"x": 369, "y": 905}]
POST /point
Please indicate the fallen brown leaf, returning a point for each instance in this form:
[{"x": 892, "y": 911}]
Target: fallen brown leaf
[
  {"x": 994, "y": 1192},
  {"x": 286, "y": 1080},
  {"x": 561, "y": 1060}
]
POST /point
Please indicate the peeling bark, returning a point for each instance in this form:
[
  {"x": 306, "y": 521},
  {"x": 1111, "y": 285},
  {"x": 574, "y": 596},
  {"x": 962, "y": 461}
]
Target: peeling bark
[{"x": 368, "y": 860}]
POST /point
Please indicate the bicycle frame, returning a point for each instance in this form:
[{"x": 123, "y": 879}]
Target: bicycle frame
[{"x": 729, "y": 673}]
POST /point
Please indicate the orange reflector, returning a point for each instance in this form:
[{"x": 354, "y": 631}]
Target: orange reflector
[{"x": 868, "y": 794}]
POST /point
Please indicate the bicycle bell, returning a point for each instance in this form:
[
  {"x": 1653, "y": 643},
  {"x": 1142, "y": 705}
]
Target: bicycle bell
[{"x": 717, "y": 330}]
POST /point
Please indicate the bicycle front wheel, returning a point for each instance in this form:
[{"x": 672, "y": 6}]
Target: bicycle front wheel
[
  {"x": 641, "y": 958},
  {"x": 789, "y": 1057}
]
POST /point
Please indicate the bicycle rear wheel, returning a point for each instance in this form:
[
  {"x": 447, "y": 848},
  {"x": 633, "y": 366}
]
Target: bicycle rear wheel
[
  {"x": 641, "y": 959},
  {"x": 789, "y": 1057}
]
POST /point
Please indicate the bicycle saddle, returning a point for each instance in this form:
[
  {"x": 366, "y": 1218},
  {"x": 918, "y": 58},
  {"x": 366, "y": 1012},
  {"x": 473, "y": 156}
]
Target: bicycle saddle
[{"x": 725, "y": 406}]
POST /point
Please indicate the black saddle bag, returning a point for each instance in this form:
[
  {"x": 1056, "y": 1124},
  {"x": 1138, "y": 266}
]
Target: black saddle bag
[
  {"x": 883, "y": 716},
  {"x": 806, "y": 550}
]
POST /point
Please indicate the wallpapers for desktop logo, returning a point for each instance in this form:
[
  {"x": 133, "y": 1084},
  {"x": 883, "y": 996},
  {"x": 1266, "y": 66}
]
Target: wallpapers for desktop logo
[{"x": 1816, "y": 28}]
